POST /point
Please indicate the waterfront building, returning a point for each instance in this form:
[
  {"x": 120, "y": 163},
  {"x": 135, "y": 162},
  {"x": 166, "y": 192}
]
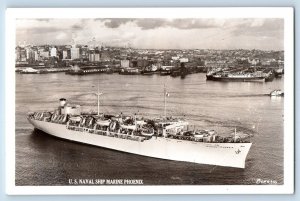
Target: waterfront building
[
  {"x": 67, "y": 54},
  {"x": 75, "y": 53},
  {"x": 84, "y": 52},
  {"x": 30, "y": 55},
  {"x": 53, "y": 52},
  {"x": 36, "y": 55},
  {"x": 44, "y": 54},
  {"x": 97, "y": 57},
  {"x": 105, "y": 55},
  {"x": 92, "y": 57},
  {"x": 18, "y": 53},
  {"x": 175, "y": 58},
  {"x": 124, "y": 63},
  {"x": 184, "y": 60}
]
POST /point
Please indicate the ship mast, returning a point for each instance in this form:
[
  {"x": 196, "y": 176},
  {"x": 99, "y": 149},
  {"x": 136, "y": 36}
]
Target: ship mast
[
  {"x": 165, "y": 101},
  {"x": 98, "y": 94},
  {"x": 235, "y": 134}
]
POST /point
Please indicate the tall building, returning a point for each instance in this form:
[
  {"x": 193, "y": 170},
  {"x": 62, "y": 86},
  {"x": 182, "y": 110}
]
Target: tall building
[
  {"x": 84, "y": 52},
  {"x": 92, "y": 57},
  {"x": 97, "y": 57},
  {"x": 31, "y": 56},
  {"x": 23, "y": 55},
  {"x": 18, "y": 53},
  {"x": 36, "y": 55},
  {"x": 44, "y": 54},
  {"x": 67, "y": 54},
  {"x": 53, "y": 52},
  {"x": 75, "y": 53}
]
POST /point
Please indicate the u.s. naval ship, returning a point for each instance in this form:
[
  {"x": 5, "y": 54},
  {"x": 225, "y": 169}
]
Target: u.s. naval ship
[{"x": 165, "y": 138}]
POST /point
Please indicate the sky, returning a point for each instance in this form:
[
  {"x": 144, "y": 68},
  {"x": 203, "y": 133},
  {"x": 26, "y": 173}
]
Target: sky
[{"x": 156, "y": 33}]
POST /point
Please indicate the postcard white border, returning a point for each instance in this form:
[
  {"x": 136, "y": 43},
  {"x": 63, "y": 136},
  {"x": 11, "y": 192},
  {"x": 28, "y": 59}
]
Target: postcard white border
[{"x": 287, "y": 13}]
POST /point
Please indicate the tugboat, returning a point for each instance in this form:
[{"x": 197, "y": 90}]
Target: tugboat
[{"x": 276, "y": 92}]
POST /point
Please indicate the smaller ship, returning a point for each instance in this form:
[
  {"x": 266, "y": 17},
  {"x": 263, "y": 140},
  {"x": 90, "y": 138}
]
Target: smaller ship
[
  {"x": 88, "y": 70},
  {"x": 269, "y": 76},
  {"x": 129, "y": 71},
  {"x": 150, "y": 70},
  {"x": 276, "y": 92},
  {"x": 240, "y": 76},
  {"x": 29, "y": 71},
  {"x": 279, "y": 72},
  {"x": 166, "y": 70},
  {"x": 54, "y": 70}
]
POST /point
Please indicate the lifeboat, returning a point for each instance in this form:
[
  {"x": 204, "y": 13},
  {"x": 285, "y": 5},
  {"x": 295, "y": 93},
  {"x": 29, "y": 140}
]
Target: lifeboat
[
  {"x": 76, "y": 119},
  {"x": 197, "y": 135},
  {"x": 148, "y": 133},
  {"x": 103, "y": 122},
  {"x": 147, "y": 130},
  {"x": 129, "y": 126}
]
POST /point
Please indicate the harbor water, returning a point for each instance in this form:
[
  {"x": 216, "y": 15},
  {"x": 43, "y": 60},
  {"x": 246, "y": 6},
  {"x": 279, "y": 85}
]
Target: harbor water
[{"x": 222, "y": 106}]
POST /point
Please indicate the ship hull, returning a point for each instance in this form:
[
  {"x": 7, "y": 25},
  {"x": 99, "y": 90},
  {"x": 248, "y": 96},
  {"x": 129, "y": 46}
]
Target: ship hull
[
  {"x": 22, "y": 72},
  {"x": 129, "y": 73},
  {"x": 89, "y": 71},
  {"x": 236, "y": 79},
  {"x": 149, "y": 72},
  {"x": 221, "y": 154}
]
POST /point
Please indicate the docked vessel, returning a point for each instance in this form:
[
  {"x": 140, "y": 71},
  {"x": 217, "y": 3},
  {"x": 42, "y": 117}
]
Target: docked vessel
[
  {"x": 88, "y": 70},
  {"x": 54, "y": 70},
  {"x": 279, "y": 72},
  {"x": 29, "y": 71},
  {"x": 163, "y": 138},
  {"x": 269, "y": 76},
  {"x": 150, "y": 70},
  {"x": 129, "y": 71},
  {"x": 236, "y": 77},
  {"x": 166, "y": 70}
]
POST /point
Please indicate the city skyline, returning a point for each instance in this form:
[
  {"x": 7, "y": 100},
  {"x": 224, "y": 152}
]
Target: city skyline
[{"x": 156, "y": 33}]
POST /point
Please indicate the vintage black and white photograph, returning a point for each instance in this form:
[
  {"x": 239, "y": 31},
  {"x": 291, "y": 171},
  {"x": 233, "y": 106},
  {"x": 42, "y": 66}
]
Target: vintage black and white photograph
[{"x": 150, "y": 100}]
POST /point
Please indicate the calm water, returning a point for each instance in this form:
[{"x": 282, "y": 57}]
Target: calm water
[{"x": 45, "y": 160}]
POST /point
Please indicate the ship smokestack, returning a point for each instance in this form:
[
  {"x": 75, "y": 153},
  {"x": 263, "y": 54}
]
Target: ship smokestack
[{"x": 62, "y": 102}]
